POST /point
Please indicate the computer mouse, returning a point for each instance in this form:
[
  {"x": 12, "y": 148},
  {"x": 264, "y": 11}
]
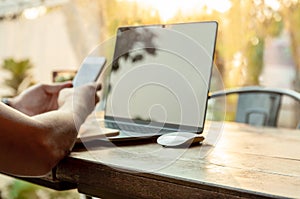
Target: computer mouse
[{"x": 179, "y": 139}]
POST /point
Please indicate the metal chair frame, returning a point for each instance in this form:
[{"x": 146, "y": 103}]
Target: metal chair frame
[{"x": 272, "y": 95}]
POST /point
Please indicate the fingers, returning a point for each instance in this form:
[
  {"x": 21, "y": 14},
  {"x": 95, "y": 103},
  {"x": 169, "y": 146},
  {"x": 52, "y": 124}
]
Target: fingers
[
  {"x": 95, "y": 85},
  {"x": 97, "y": 99},
  {"x": 99, "y": 86},
  {"x": 55, "y": 88}
]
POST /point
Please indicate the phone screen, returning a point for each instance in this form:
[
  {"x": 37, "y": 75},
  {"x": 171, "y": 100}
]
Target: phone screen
[{"x": 89, "y": 70}]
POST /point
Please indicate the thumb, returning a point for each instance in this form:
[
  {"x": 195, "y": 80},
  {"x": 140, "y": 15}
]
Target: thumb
[{"x": 55, "y": 88}]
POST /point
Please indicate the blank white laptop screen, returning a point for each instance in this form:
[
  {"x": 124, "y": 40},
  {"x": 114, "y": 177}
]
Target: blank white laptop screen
[{"x": 161, "y": 75}]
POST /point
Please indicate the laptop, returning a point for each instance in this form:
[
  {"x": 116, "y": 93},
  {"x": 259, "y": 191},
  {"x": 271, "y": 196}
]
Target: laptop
[{"x": 159, "y": 79}]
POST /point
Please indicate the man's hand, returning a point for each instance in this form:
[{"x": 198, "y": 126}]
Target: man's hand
[
  {"x": 80, "y": 101},
  {"x": 80, "y": 98},
  {"x": 38, "y": 99}
]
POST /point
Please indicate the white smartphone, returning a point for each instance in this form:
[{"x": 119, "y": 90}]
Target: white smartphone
[{"x": 89, "y": 71}]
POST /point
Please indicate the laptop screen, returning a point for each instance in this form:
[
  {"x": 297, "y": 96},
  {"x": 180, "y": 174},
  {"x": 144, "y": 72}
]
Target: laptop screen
[{"x": 161, "y": 74}]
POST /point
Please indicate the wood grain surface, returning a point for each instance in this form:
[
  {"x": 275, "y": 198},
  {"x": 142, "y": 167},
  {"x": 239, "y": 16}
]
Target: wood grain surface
[{"x": 235, "y": 161}]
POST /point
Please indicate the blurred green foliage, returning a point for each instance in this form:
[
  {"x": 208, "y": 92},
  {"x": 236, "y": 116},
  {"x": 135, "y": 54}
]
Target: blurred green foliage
[
  {"x": 291, "y": 15},
  {"x": 20, "y": 77},
  {"x": 19, "y": 189},
  {"x": 255, "y": 55},
  {"x": 243, "y": 30},
  {"x": 242, "y": 34}
]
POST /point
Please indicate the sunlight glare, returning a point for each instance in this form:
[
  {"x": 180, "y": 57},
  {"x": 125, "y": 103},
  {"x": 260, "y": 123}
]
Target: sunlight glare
[
  {"x": 274, "y": 4},
  {"x": 167, "y": 9},
  {"x": 219, "y": 5},
  {"x": 35, "y": 12}
]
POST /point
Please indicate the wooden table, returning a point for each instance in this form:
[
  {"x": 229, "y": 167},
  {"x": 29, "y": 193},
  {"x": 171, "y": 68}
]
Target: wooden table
[{"x": 235, "y": 161}]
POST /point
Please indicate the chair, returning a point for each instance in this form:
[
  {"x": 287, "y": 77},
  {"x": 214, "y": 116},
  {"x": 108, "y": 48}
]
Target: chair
[{"x": 258, "y": 105}]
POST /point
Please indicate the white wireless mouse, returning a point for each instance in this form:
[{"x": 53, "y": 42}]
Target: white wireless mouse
[{"x": 179, "y": 139}]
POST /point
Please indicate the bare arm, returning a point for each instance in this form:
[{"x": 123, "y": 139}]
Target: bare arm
[{"x": 32, "y": 146}]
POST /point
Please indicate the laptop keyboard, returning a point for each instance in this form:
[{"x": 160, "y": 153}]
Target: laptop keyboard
[{"x": 137, "y": 128}]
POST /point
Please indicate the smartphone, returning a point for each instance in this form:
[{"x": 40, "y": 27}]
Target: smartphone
[{"x": 89, "y": 71}]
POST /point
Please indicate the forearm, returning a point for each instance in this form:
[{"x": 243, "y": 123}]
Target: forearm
[
  {"x": 31, "y": 146},
  {"x": 62, "y": 128},
  {"x": 60, "y": 132}
]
